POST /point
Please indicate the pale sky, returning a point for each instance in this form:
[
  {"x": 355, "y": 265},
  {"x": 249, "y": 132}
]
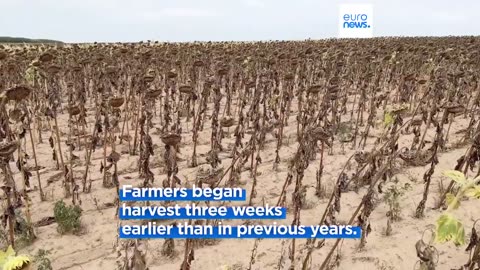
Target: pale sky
[{"x": 190, "y": 20}]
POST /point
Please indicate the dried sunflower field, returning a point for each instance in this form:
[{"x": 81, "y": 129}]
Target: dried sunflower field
[{"x": 381, "y": 133}]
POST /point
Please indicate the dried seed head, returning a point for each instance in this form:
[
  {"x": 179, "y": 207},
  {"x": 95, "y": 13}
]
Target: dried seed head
[
  {"x": 399, "y": 109},
  {"x": 11, "y": 66},
  {"x": 172, "y": 74},
  {"x": 18, "y": 93},
  {"x": 116, "y": 102},
  {"x": 204, "y": 171},
  {"x": 227, "y": 121},
  {"x": 250, "y": 84},
  {"x": 46, "y": 57},
  {"x": 335, "y": 80},
  {"x": 314, "y": 89},
  {"x": 35, "y": 63},
  {"x": 110, "y": 70},
  {"x": 7, "y": 149},
  {"x": 423, "y": 80},
  {"x": 85, "y": 61},
  {"x": 407, "y": 154},
  {"x": 76, "y": 68},
  {"x": 3, "y": 55},
  {"x": 333, "y": 90},
  {"x": 320, "y": 134},
  {"x": 114, "y": 157},
  {"x": 222, "y": 71},
  {"x": 208, "y": 82},
  {"x": 289, "y": 77},
  {"x": 209, "y": 175},
  {"x": 417, "y": 121},
  {"x": 16, "y": 115},
  {"x": 153, "y": 94},
  {"x": 198, "y": 63},
  {"x": 53, "y": 69},
  {"x": 455, "y": 108},
  {"x": 150, "y": 76},
  {"x": 171, "y": 139},
  {"x": 186, "y": 89},
  {"x": 74, "y": 110}
]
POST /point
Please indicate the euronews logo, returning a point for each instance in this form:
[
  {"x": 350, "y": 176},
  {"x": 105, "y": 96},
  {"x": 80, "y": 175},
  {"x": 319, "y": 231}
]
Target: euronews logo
[{"x": 355, "y": 21}]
